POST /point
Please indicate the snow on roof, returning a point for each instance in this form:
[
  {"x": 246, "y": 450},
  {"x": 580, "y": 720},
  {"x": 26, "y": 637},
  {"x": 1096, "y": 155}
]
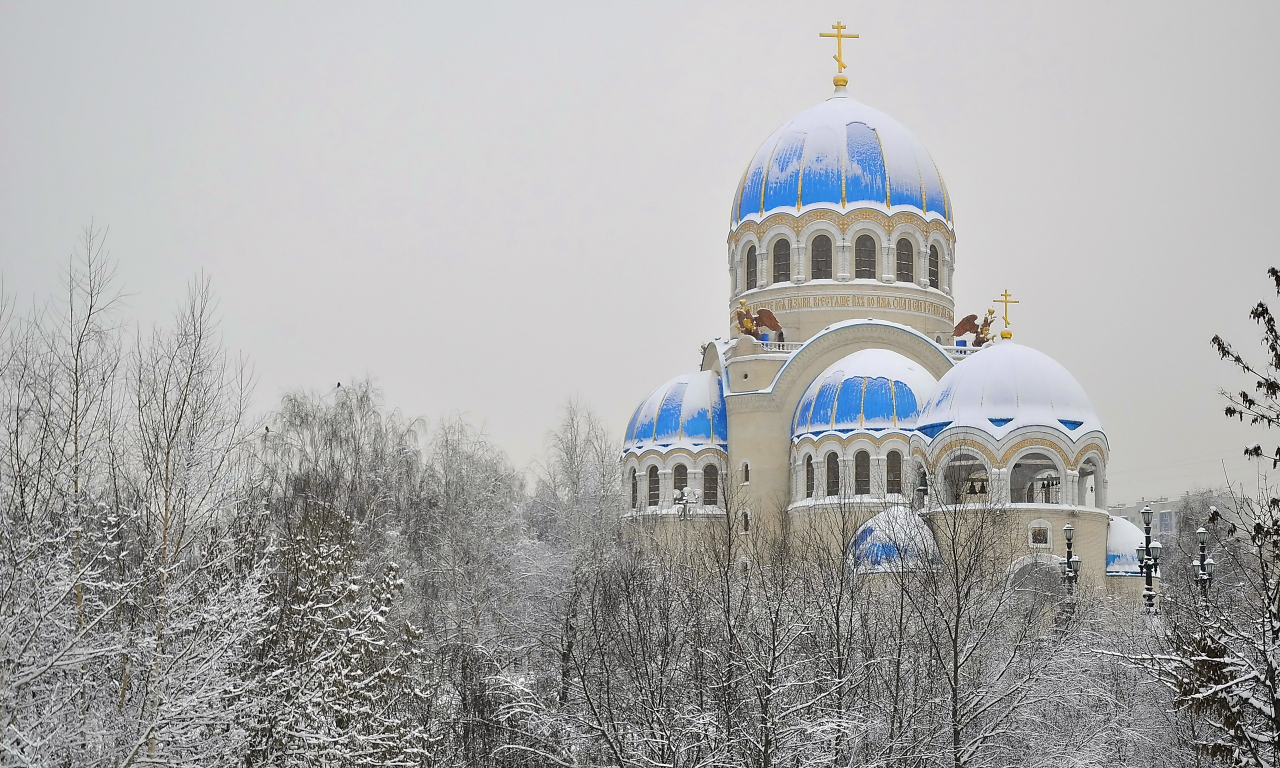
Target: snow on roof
[
  {"x": 869, "y": 389},
  {"x": 895, "y": 539},
  {"x": 1006, "y": 386},
  {"x": 686, "y": 412},
  {"x": 1123, "y": 540},
  {"x": 841, "y": 154}
]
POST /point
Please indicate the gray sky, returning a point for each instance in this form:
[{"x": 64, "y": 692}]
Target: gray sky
[{"x": 491, "y": 208}]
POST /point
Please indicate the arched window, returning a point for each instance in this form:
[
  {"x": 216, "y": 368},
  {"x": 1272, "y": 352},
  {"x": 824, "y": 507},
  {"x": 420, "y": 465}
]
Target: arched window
[
  {"x": 820, "y": 261},
  {"x": 653, "y": 486},
  {"x": 862, "y": 473},
  {"x": 808, "y": 477},
  {"x": 933, "y": 266},
  {"x": 681, "y": 476},
  {"x": 893, "y": 472},
  {"x": 746, "y": 472},
  {"x": 906, "y": 261},
  {"x": 833, "y": 474},
  {"x": 781, "y": 261},
  {"x": 751, "y": 268},
  {"x": 635, "y": 489},
  {"x": 711, "y": 485},
  {"x": 864, "y": 257}
]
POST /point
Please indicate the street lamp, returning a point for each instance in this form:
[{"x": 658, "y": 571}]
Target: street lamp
[
  {"x": 1148, "y": 559},
  {"x": 1205, "y": 566},
  {"x": 1070, "y": 567}
]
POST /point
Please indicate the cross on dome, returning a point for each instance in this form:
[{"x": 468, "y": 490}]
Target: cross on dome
[
  {"x": 840, "y": 37},
  {"x": 1006, "y": 299}
]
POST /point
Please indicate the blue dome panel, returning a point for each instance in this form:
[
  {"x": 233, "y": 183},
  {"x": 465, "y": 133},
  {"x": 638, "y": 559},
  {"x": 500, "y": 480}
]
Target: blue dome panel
[
  {"x": 820, "y": 182},
  {"x": 753, "y": 186},
  {"x": 877, "y": 404},
  {"x": 865, "y": 177},
  {"x": 904, "y": 402},
  {"x": 820, "y": 418},
  {"x": 686, "y": 412},
  {"x": 849, "y": 403},
  {"x": 782, "y": 189},
  {"x": 669, "y": 413}
]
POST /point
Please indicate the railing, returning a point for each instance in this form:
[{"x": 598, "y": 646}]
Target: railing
[
  {"x": 780, "y": 346},
  {"x": 959, "y": 353}
]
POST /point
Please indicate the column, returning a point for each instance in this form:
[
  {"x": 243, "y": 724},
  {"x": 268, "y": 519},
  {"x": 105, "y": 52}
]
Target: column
[
  {"x": 998, "y": 487},
  {"x": 695, "y": 482},
  {"x": 1071, "y": 487},
  {"x": 846, "y": 476},
  {"x": 922, "y": 266},
  {"x": 879, "y": 481},
  {"x": 842, "y": 260},
  {"x": 797, "y": 263},
  {"x": 887, "y": 272},
  {"x": 665, "y": 488}
]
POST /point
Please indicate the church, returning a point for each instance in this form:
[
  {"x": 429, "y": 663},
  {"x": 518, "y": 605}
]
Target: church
[{"x": 846, "y": 385}]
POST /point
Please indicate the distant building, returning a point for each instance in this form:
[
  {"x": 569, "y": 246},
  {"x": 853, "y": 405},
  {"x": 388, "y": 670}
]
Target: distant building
[{"x": 1164, "y": 520}]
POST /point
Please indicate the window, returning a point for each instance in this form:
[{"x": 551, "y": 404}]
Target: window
[
  {"x": 808, "y": 477},
  {"x": 635, "y": 489},
  {"x": 933, "y": 266},
  {"x": 681, "y": 476},
  {"x": 906, "y": 261},
  {"x": 653, "y": 486},
  {"x": 864, "y": 257},
  {"x": 751, "y": 268},
  {"x": 781, "y": 261},
  {"x": 1040, "y": 536},
  {"x": 862, "y": 473},
  {"x": 893, "y": 472},
  {"x": 820, "y": 260},
  {"x": 833, "y": 474},
  {"x": 711, "y": 485},
  {"x": 746, "y": 473}
]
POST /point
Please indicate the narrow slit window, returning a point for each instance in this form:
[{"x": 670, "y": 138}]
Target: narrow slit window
[
  {"x": 808, "y": 477},
  {"x": 635, "y": 489},
  {"x": 833, "y": 474},
  {"x": 751, "y": 268},
  {"x": 821, "y": 258},
  {"x": 862, "y": 473},
  {"x": 653, "y": 486},
  {"x": 933, "y": 266},
  {"x": 681, "y": 477},
  {"x": 711, "y": 486},
  {"x": 893, "y": 472},
  {"x": 906, "y": 261},
  {"x": 864, "y": 258},
  {"x": 782, "y": 262}
]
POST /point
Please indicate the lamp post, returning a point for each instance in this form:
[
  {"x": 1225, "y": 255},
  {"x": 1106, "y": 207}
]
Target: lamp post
[
  {"x": 1148, "y": 559},
  {"x": 1205, "y": 566},
  {"x": 1070, "y": 567}
]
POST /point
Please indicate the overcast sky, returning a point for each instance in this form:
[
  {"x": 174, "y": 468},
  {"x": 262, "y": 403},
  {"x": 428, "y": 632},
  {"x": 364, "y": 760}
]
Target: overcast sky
[{"x": 491, "y": 208}]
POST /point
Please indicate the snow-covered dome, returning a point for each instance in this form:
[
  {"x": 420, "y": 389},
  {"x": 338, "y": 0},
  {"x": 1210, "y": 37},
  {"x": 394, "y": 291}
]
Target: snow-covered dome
[
  {"x": 869, "y": 389},
  {"x": 1123, "y": 540},
  {"x": 841, "y": 154},
  {"x": 894, "y": 540},
  {"x": 1000, "y": 388},
  {"x": 686, "y": 412}
]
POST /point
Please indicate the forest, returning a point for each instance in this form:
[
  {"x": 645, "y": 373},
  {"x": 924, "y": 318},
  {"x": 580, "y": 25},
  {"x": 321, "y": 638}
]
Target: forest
[{"x": 186, "y": 582}]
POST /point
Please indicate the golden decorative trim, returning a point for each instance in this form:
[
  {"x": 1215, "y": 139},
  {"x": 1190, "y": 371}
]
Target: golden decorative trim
[
  {"x": 843, "y": 222},
  {"x": 1102, "y": 454},
  {"x": 846, "y": 440},
  {"x": 846, "y": 300},
  {"x": 964, "y": 443},
  {"x": 1037, "y": 442},
  {"x": 630, "y": 453}
]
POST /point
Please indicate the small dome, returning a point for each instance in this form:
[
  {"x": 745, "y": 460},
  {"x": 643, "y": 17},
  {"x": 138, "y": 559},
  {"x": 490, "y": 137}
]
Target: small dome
[
  {"x": 1123, "y": 540},
  {"x": 894, "y": 540},
  {"x": 686, "y": 412},
  {"x": 841, "y": 155},
  {"x": 871, "y": 389},
  {"x": 1006, "y": 386}
]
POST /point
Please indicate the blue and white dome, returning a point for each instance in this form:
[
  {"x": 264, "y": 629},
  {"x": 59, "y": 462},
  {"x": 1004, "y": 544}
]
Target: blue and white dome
[
  {"x": 871, "y": 389},
  {"x": 1006, "y": 386},
  {"x": 841, "y": 154},
  {"x": 896, "y": 539},
  {"x": 1123, "y": 540},
  {"x": 686, "y": 412}
]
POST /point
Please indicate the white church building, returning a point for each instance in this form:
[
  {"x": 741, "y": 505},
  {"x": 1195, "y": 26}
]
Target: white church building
[{"x": 841, "y": 384}]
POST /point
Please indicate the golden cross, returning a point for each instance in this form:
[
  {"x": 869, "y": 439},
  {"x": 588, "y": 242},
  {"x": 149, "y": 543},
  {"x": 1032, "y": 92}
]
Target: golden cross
[
  {"x": 1006, "y": 299},
  {"x": 840, "y": 38}
]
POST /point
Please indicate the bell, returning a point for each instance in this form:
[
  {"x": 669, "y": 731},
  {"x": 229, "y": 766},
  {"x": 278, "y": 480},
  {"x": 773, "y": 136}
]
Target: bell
[
  {"x": 973, "y": 489},
  {"x": 982, "y": 489}
]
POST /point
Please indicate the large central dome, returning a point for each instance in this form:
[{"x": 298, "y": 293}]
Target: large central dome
[{"x": 841, "y": 155}]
